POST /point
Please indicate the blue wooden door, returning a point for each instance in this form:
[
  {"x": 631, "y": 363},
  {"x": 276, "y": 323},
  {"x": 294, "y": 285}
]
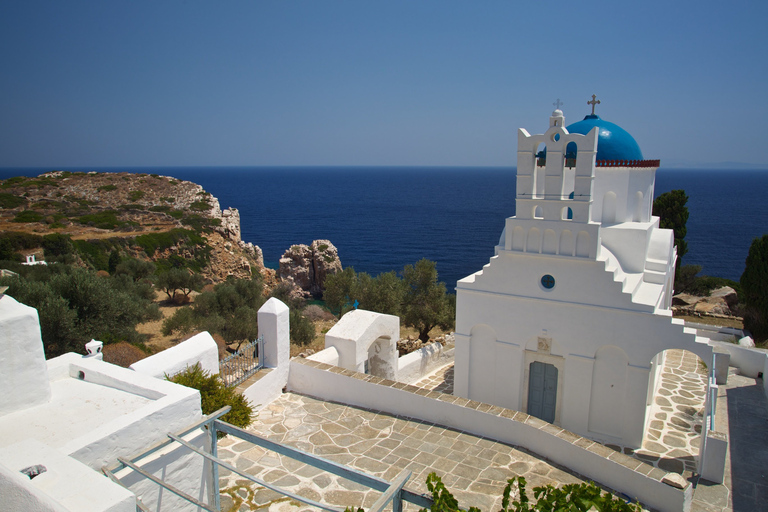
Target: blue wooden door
[{"x": 542, "y": 391}]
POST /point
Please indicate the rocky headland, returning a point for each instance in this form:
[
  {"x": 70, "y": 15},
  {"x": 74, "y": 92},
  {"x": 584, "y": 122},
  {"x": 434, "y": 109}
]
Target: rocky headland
[{"x": 122, "y": 207}]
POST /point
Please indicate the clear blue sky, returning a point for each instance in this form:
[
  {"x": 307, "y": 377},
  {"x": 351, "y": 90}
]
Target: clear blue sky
[{"x": 164, "y": 83}]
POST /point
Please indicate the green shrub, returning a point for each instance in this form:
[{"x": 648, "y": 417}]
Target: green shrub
[
  {"x": 168, "y": 199},
  {"x": 200, "y": 206},
  {"x": 135, "y": 195},
  {"x": 102, "y": 220},
  {"x": 131, "y": 206},
  {"x": 152, "y": 242},
  {"x": 302, "y": 329},
  {"x": 160, "y": 208},
  {"x": 12, "y": 182},
  {"x": 28, "y": 216},
  {"x": 176, "y": 214},
  {"x": 107, "y": 188},
  {"x": 569, "y": 497},
  {"x": 20, "y": 241},
  {"x": 214, "y": 395},
  {"x": 200, "y": 223},
  {"x": 57, "y": 244},
  {"x": 8, "y": 201}
]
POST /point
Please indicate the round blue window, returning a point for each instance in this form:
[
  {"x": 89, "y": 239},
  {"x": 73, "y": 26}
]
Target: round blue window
[{"x": 547, "y": 281}]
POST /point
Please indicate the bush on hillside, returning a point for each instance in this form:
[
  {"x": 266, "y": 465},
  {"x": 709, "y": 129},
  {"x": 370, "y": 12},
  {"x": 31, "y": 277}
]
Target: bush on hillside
[
  {"x": 75, "y": 305},
  {"x": 214, "y": 395}
]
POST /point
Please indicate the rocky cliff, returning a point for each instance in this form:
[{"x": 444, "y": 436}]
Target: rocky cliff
[
  {"x": 124, "y": 206},
  {"x": 307, "y": 267}
]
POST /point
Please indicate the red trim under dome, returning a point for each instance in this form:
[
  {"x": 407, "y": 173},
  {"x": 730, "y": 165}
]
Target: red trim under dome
[{"x": 627, "y": 163}]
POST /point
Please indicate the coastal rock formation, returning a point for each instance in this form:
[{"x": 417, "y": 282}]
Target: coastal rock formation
[
  {"x": 720, "y": 302},
  {"x": 307, "y": 267}
]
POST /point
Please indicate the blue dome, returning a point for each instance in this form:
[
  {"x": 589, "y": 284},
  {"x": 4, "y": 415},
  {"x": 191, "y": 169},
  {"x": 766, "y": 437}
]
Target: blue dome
[{"x": 613, "y": 142}]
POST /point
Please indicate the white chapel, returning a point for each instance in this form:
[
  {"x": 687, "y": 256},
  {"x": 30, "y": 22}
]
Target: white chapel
[{"x": 569, "y": 320}]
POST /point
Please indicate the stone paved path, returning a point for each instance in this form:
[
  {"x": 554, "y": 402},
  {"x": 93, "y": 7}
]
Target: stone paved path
[
  {"x": 475, "y": 469},
  {"x": 672, "y": 440}
]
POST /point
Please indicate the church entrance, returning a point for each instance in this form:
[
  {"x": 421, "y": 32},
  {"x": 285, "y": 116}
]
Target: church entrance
[{"x": 542, "y": 391}]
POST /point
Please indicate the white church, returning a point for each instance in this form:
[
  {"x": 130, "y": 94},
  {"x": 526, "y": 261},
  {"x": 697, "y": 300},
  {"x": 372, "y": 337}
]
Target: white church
[{"x": 569, "y": 320}]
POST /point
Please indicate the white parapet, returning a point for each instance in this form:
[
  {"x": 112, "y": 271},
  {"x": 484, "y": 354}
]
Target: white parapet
[
  {"x": 63, "y": 484},
  {"x": 199, "y": 349},
  {"x": 23, "y": 371}
]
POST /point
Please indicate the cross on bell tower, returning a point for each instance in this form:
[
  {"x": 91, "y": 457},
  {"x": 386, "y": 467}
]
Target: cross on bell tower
[
  {"x": 593, "y": 103},
  {"x": 558, "y": 104}
]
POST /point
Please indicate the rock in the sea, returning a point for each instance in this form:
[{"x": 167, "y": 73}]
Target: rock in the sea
[{"x": 308, "y": 267}]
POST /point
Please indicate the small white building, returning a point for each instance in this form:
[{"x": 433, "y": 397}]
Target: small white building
[{"x": 569, "y": 320}]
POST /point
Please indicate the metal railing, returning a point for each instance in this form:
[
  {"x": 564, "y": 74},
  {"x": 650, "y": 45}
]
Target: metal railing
[
  {"x": 248, "y": 359},
  {"x": 393, "y": 492}
]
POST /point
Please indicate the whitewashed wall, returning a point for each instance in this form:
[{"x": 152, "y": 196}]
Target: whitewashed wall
[{"x": 560, "y": 446}]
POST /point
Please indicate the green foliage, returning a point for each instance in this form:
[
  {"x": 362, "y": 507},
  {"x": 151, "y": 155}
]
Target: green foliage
[
  {"x": 114, "y": 261},
  {"x": 427, "y": 305},
  {"x": 230, "y": 310},
  {"x": 176, "y": 214},
  {"x": 179, "y": 279},
  {"x": 160, "y": 208},
  {"x": 12, "y": 182},
  {"x": 57, "y": 244},
  {"x": 102, "y": 220},
  {"x": 302, "y": 329},
  {"x": 383, "y": 294},
  {"x": 570, "y": 497},
  {"x": 107, "y": 188},
  {"x": 152, "y": 242},
  {"x": 136, "y": 269},
  {"x": 168, "y": 199},
  {"x": 214, "y": 395},
  {"x": 96, "y": 252},
  {"x": 75, "y": 305},
  {"x": 200, "y": 222},
  {"x": 673, "y": 214},
  {"x": 687, "y": 281},
  {"x": 754, "y": 289},
  {"x": 8, "y": 201},
  {"x": 20, "y": 241},
  {"x": 28, "y": 216},
  {"x": 200, "y": 206},
  {"x": 135, "y": 195}
]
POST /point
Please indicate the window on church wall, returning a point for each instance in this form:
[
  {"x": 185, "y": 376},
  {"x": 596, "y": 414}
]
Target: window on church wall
[
  {"x": 538, "y": 212},
  {"x": 566, "y": 213},
  {"x": 571, "y": 153},
  {"x": 541, "y": 154}
]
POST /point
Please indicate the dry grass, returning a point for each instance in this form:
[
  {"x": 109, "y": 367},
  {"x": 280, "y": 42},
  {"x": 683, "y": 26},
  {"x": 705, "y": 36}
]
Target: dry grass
[
  {"x": 154, "y": 330},
  {"x": 708, "y": 320}
]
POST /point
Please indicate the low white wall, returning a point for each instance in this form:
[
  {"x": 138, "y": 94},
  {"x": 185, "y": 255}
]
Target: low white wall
[
  {"x": 328, "y": 356},
  {"x": 584, "y": 456},
  {"x": 200, "y": 348},
  {"x": 715, "y": 332},
  {"x": 65, "y": 485},
  {"x": 419, "y": 363},
  {"x": 749, "y": 361}
]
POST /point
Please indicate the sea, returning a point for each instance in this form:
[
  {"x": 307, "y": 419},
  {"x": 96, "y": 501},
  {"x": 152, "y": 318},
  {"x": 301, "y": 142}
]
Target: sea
[{"x": 383, "y": 218}]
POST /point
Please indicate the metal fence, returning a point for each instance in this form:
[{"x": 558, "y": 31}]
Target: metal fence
[{"x": 237, "y": 367}]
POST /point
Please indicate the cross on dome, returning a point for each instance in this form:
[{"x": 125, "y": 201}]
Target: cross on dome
[
  {"x": 593, "y": 103},
  {"x": 558, "y": 104}
]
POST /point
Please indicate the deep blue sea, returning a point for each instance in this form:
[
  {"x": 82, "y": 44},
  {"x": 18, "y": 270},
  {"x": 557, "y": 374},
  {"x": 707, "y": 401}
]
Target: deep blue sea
[{"x": 382, "y": 218}]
